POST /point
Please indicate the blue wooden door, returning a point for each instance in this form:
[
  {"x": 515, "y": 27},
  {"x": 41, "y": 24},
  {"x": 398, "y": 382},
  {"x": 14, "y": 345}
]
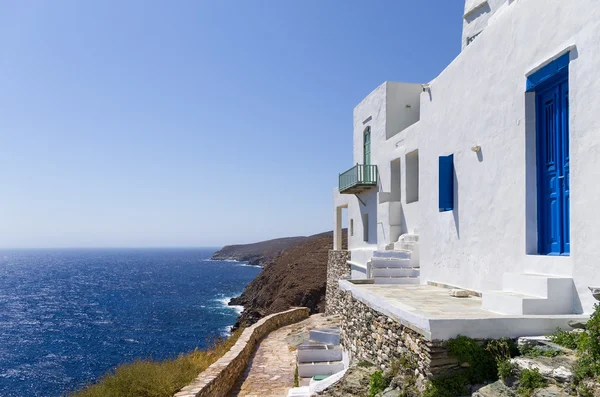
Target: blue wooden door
[{"x": 553, "y": 168}]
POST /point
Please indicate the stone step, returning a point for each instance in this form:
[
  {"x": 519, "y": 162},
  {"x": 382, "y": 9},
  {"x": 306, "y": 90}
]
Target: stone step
[
  {"x": 308, "y": 370},
  {"x": 512, "y": 303},
  {"x": 538, "y": 285},
  {"x": 396, "y": 280},
  {"x": 318, "y": 352},
  {"x": 327, "y": 336},
  {"x": 395, "y": 272},
  {"x": 390, "y": 262},
  {"x": 303, "y": 391},
  {"x": 396, "y": 254}
]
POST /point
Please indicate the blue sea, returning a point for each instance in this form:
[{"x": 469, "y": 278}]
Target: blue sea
[{"x": 69, "y": 316}]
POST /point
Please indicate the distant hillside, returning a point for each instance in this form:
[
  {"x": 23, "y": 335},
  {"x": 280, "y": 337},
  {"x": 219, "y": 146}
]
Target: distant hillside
[
  {"x": 257, "y": 253},
  {"x": 296, "y": 277}
]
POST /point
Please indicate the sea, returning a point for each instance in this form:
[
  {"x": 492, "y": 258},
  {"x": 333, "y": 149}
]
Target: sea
[{"x": 68, "y": 316}]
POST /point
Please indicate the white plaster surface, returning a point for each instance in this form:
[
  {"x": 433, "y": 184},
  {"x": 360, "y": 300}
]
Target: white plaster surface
[
  {"x": 439, "y": 316},
  {"x": 479, "y": 99}
]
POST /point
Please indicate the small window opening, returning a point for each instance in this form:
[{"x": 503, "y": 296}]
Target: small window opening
[
  {"x": 352, "y": 227},
  {"x": 365, "y": 227}
]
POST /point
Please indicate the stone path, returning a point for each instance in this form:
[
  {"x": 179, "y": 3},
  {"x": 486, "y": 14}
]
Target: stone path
[{"x": 271, "y": 369}]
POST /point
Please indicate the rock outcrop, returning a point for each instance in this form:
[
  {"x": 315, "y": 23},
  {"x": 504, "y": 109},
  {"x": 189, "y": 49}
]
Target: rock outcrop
[
  {"x": 257, "y": 254},
  {"x": 295, "y": 277}
]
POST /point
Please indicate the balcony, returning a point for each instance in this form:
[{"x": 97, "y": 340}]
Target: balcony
[{"x": 358, "y": 179}]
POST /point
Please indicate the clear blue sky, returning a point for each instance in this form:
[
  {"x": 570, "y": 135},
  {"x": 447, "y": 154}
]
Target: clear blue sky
[{"x": 193, "y": 123}]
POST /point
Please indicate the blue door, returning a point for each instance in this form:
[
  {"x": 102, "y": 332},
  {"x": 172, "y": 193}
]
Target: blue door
[{"x": 552, "y": 110}]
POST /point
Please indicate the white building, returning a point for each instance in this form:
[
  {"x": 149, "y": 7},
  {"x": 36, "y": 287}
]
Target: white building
[{"x": 470, "y": 172}]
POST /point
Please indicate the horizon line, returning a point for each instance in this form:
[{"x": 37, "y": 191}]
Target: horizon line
[{"x": 110, "y": 247}]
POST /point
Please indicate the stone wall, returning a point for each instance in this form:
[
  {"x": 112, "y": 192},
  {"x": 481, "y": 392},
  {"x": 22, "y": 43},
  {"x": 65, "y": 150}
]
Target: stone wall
[
  {"x": 371, "y": 336},
  {"x": 218, "y": 379},
  {"x": 337, "y": 268}
]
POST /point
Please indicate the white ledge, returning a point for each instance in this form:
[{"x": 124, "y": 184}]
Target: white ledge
[
  {"x": 473, "y": 5},
  {"x": 432, "y": 312},
  {"x": 355, "y": 264}
]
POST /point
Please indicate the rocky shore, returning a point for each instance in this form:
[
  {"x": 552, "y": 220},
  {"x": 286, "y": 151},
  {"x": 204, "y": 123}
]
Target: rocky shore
[{"x": 296, "y": 276}]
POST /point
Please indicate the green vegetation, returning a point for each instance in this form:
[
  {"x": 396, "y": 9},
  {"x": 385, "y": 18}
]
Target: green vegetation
[
  {"x": 584, "y": 391},
  {"x": 570, "y": 340},
  {"x": 502, "y": 352},
  {"x": 531, "y": 380},
  {"x": 585, "y": 367},
  {"x": 479, "y": 363},
  {"x": 505, "y": 370},
  {"x": 587, "y": 345},
  {"x": 538, "y": 351},
  {"x": 148, "y": 378},
  {"x": 448, "y": 386},
  {"x": 377, "y": 383}
]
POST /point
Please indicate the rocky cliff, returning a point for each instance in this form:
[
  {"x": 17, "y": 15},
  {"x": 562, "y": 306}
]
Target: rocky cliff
[
  {"x": 258, "y": 254},
  {"x": 295, "y": 277}
]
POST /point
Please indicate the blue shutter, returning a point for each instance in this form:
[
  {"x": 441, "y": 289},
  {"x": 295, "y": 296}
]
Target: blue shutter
[{"x": 446, "y": 188}]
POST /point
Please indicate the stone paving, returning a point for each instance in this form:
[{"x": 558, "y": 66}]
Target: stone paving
[
  {"x": 432, "y": 312},
  {"x": 271, "y": 369}
]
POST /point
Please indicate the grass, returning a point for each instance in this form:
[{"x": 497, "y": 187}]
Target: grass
[{"x": 149, "y": 378}]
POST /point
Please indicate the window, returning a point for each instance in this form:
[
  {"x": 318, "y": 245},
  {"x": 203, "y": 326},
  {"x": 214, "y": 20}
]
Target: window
[
  {"x": 412, "y": 177},
  {"x": 367, "y": 146},
  {"x": 365, "y": 227},
  {"x": 352, "y": 227},
  {"x": 446, "y": 183}
]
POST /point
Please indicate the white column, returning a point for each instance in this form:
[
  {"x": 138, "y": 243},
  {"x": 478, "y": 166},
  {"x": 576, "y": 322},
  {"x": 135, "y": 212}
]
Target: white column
[{"x": 337, "y": 229}]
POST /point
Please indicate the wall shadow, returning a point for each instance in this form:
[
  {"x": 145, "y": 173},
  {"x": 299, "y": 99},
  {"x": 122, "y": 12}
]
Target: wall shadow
[{"x": 455, "y": 209}]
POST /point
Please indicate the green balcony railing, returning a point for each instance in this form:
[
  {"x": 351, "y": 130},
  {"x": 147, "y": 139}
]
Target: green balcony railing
[{"x": 358, "y": 178}]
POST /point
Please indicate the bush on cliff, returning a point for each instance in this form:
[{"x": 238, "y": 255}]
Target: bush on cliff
[{"x": 148, "y": 378}]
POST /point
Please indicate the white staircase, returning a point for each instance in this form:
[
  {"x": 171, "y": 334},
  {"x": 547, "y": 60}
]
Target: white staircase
[
  {"x": 322, "y": 355},
  {"x": 398, "y": 263},
  {"x": 531, "y": 294}
]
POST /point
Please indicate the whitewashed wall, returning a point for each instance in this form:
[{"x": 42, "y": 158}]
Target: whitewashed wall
[
  {"x": 479, "y": 99},
  {"x": 403, "y": 102}
]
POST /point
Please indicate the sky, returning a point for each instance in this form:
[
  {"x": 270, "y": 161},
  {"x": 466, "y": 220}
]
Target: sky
[{"x": 193, "y": 123}]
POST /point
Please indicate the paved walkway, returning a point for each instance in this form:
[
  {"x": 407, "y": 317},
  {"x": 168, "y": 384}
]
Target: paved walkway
[{"x": 271, "y": 369}]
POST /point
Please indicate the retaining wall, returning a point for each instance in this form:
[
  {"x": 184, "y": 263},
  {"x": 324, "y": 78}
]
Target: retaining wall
[
  {"x": 218, "y": 379},
  {"x": 337, "y": 269},
  {"x": 369, "y": 335}
]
